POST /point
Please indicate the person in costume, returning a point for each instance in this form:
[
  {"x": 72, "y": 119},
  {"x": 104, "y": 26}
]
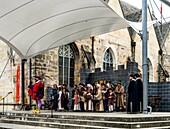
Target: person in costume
[
  {"x": 55, "y": 97},
  {"x": 110, "y": 102},
  {"x": 119, "y": 96},
  {"x": 99, "y": 96},
  {"x": 132, "y": 105},
  {"x": 76, "y": 100},
  {"x": 30, "y": 89},
  {"x": 82, "y": 99},
  {"x": 88, "y": 98},
  {"x": 38, "y": 93},
  {"x": 140, "y": 92},
  {"x": 66, "y": 97},
  {"x": 105, "y": 95},
  {"x": 60, "y": 99}
]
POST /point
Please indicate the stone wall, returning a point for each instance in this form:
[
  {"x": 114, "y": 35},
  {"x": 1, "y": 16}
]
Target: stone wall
[
  {"x": 114, "y": 75},
  {"x": 6, "y": 75},
  {"x": 162, "y": 90}
]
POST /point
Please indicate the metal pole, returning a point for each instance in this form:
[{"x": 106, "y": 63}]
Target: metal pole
[
  {"x": 144, "y": 55},
  {"x": 3, "y": 107},
  {"x": 30, "y": 79},
  {"x": 23, "y": 81}
]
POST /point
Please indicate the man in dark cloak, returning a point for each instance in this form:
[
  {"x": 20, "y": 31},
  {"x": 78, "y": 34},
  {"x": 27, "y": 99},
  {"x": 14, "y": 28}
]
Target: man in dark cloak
[
  {"x": 140, "y": 92},
  {"x": 132, "y": 105},
  {"x": 81, "y": 92}
]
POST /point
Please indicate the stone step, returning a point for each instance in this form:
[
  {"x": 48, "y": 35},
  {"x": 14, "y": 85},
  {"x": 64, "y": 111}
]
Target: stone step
[
  {"x": 52, "y": 124},
  {"x": 163, "y": 127},
  {"x": 83, "y": 120},
  {"x": 89, "y": 122},
  {"x": 16, "y": 126},
  {"x": 99, "y": 116}
]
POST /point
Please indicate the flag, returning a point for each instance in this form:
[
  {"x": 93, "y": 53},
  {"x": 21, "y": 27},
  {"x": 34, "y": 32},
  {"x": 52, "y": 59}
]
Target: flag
[{"x": 18, "y": 85}]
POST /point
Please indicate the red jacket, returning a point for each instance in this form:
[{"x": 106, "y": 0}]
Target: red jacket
[{"x": 38, "y": 90}]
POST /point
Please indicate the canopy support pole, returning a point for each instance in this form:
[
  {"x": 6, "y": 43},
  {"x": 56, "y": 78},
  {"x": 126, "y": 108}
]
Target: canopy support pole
[
  {"x": 144, "y": 56},
  {"x": 23, "y": 81},
  {"x": 30, "y": 66}
]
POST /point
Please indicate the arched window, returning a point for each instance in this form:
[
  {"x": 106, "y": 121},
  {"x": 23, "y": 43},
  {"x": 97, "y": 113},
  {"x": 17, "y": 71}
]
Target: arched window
[
  {"x": 66, "y": 65},
  {"x": 108, "y": 60},
  {"x": 150, "y": 71}
]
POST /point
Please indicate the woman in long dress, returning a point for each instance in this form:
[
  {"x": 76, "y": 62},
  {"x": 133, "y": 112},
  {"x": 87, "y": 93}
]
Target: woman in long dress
[
  {"x": 60, "y": 99},
  {"x": 119, "y": 97},
  {"x": 99, "y": 96}
]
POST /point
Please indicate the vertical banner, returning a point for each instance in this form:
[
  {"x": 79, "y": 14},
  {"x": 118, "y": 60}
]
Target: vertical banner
[{"x": 17, "y": 93}]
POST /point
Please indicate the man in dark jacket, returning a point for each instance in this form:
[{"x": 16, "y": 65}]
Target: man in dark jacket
[
  {"x": 132, "y": 105},
  {"x": 140, "y": 92}
]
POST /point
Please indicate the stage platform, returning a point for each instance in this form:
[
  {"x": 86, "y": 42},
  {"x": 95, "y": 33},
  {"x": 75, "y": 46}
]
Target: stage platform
[{"x": 87, "y": 120}]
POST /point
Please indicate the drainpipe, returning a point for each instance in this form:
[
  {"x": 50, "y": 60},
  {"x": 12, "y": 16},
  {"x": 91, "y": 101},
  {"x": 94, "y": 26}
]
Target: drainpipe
[
  {"x": 23, "y": 80},
  {"x": 30, "y": 66},
  {"x": 92, "y": 46}
]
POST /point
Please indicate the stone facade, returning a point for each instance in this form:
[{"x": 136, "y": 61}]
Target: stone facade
[
  {"x": 119, "y": 43},
  {"x": 6, "y": 75}
]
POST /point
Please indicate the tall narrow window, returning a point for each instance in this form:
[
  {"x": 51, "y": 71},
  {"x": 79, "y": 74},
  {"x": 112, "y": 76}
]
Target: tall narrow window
[
  {"x": 108, "y": 60},
  {"x": 66, "y": 65}
]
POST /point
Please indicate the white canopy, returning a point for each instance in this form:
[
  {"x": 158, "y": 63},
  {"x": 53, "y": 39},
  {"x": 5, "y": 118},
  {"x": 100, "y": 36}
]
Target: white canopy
[{"x": 33, "y": 26}]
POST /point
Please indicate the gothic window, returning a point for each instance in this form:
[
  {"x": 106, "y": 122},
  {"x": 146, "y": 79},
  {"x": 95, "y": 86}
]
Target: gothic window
[
  {"x": 108, "y": 60},
  {"x": 66, "y": 65}
]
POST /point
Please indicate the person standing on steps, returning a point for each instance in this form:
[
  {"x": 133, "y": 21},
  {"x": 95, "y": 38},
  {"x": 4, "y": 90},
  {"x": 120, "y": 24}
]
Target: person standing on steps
[
  {"x": 132, "y": 105},
  {"x": 119, "y": 97},
  {"x": 140, "y": 92},
  {"x": 38, "y": 93}
]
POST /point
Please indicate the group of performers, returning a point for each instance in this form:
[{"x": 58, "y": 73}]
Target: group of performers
[
  {"x": 100, "y": 97},
  {"x": 85, "y": 97}
]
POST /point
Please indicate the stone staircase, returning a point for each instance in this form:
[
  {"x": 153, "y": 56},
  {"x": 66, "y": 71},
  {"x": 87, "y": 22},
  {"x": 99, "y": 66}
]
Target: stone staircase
[{"x": 71, "y": 120}]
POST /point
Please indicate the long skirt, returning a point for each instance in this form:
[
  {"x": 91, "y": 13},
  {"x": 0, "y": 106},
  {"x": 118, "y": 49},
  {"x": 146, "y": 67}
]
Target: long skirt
[{"x": 77, "y": 107}]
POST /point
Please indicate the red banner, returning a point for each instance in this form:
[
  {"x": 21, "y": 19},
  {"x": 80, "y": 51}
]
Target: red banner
[{"x": 18, "y": 85}]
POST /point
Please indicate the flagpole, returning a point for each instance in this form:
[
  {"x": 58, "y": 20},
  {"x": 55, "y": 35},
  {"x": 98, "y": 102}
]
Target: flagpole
[{"x": 144, "y": 56}]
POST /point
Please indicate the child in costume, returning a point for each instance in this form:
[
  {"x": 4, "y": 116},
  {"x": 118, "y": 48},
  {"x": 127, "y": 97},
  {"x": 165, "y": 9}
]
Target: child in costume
[
  {"x": 111, "y": 97},
  {"x": 76, "y": 101}
]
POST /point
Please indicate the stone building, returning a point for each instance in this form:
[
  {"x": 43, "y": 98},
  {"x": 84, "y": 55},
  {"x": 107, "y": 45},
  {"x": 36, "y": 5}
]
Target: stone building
[{"x": 67, "y": 64}]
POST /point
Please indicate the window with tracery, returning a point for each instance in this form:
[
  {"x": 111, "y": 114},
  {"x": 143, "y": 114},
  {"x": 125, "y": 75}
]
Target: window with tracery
[
  {"x": 66, "y": 65},
  {"x": 108, "y": 60}
]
